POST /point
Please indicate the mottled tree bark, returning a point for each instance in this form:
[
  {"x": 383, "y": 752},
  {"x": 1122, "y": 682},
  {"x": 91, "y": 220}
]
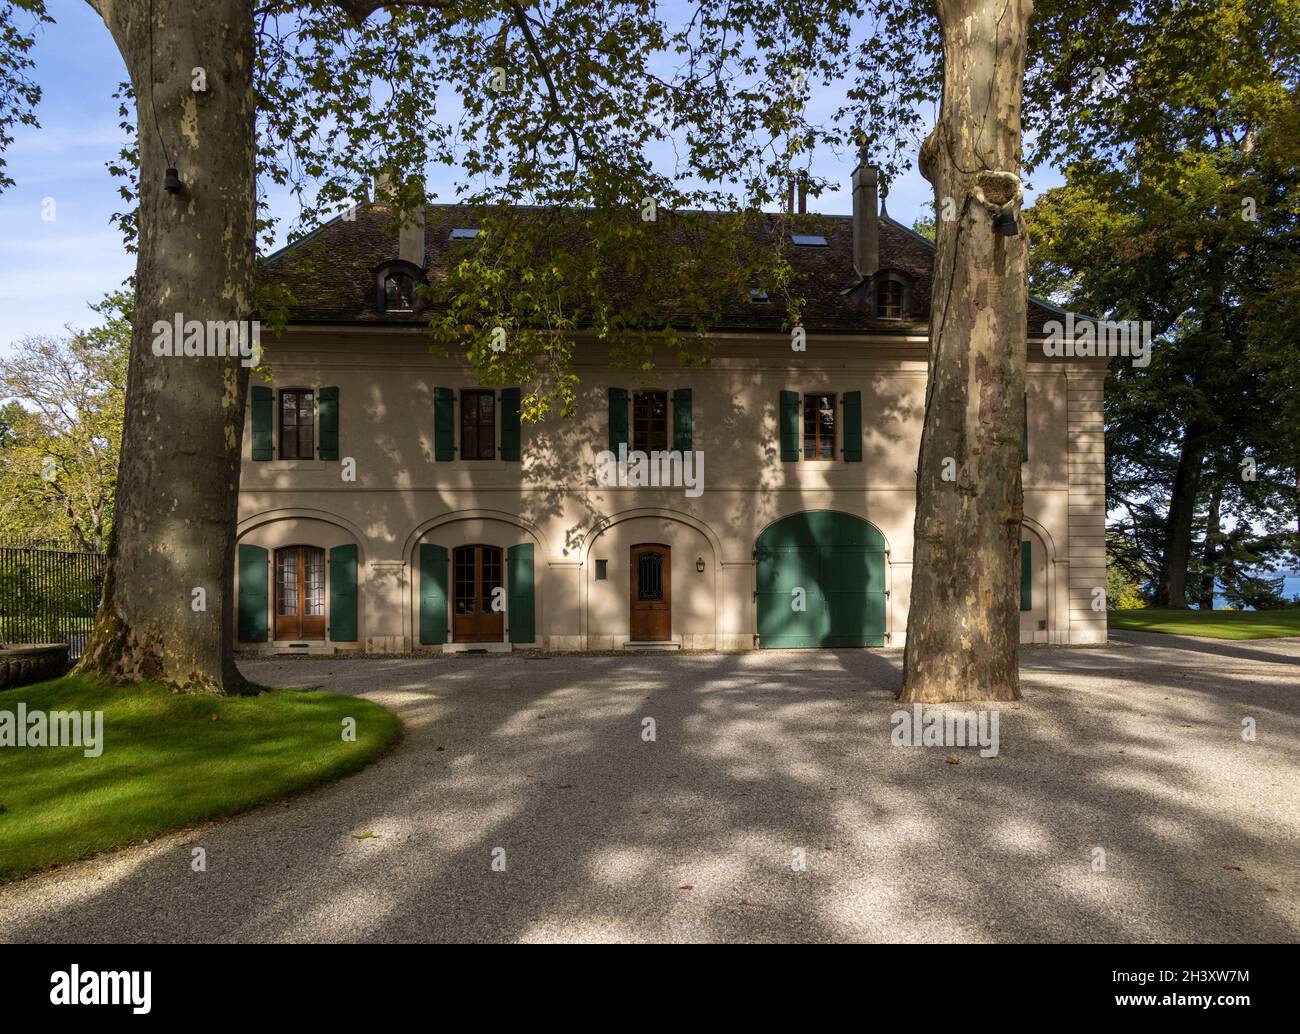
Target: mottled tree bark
[
  {"x": 963, "y": 626},
  {"x": 179, "y": 474}
]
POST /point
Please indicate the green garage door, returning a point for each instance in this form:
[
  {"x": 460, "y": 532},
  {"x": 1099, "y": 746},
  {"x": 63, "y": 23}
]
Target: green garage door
[{"x": 838, "y": 561}]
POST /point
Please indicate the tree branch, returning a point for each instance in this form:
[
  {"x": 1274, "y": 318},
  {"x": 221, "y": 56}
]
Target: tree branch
[{"x": 360, "y": 10}]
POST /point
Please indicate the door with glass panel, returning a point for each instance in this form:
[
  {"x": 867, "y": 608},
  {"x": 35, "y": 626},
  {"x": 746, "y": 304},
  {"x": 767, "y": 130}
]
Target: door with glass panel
[
  {"x": 476, "y": 575},
  {"x": 652, "y": 601},
  {"x": 300, "y": 593}
]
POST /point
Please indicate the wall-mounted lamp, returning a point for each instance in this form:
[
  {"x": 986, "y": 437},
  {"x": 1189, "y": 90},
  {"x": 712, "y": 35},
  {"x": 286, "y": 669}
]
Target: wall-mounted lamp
[
  {"x": 1005, "y": 223},
  {"x": 172, "y": 182},
  {"x": 699, "y": 564}
]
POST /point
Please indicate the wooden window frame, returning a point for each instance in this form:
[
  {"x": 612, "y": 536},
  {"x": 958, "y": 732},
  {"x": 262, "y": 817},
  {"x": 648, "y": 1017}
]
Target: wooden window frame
[
  {"x": 297, "y": 438},
  {"x": 641, "y": 429},
  {"x": 817, "y": 439},
  {"x": 883, "y": 282},
  {"x": 476, "y": 394},
  {"x": 398, "y": 268}
]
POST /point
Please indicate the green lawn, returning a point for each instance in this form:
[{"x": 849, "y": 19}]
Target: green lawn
[
  {"x": 169, "y": 761},
  {"x": 1212, "y": 624}
]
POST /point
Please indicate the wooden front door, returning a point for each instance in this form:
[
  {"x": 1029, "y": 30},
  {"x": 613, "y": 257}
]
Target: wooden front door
[
  {"x": 476, "y": 574},
  {"x": 299, "y": 593},
  {"x": 652, "y": 604}
]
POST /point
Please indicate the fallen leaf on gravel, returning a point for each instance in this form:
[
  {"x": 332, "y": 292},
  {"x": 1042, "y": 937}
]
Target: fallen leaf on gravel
[
  {"x": 367, "y": 835},
  {"x": 439, "y": 748},
  {"x": 1271, "y": 890},
  {"x": 1234, "y": 868},
  {"x": 687, "y": 886},
  {"x": 952, "y": 760}
]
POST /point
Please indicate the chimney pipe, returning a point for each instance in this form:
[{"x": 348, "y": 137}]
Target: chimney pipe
[
  {"x": 410, "y": 238},
  {"x": 866, "y": 218},
  {"x": 803, "y": 193}
]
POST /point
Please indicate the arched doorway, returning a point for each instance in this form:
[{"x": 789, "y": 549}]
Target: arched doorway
[
  {"x": 299, "y": 593},
  {"x": 820, "y": 582},
  {"x": 478, "y": 596}
]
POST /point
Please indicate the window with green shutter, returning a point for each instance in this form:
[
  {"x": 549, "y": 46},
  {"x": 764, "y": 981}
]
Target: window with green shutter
[
  {"x": 327, "y": 400},
  {"x": 263, "y": 405},
  {"x": 1026, "y": 577},
  {"x": 788, "y": 425},
  {"x": 254, "y": 567},
  {"x": 343, "y": 594},
  {"x": 617, "y": 418},
  {"x": 853, "y": 427},
  {"x": 510, "y": 423},
  {"x": 433, "y": 594},
  {"x": 444, "y": 424},
  {"x": 519, "y": 599},
  {"x": 683, "y": 421}
]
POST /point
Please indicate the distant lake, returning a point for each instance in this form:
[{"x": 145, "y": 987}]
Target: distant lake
[{"x": 1290, "y": 588}]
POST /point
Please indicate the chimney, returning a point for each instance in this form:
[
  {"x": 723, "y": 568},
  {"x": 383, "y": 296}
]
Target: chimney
[
  {"x": 410, "y": 238},
  {"x": 383, "y": 188},
  {"x": 866, "y": 219},
  {"x": 803, "y": 193}
]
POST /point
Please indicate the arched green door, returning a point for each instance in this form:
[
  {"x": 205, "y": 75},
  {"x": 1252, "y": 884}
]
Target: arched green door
[{"x": 838, "y": 561}]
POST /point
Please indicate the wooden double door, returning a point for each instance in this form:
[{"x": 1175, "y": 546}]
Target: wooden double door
[
  {"x": 651, "y": 594},
  {"x": 299, "y": 593},
  {"x": 478, "y": 607}
]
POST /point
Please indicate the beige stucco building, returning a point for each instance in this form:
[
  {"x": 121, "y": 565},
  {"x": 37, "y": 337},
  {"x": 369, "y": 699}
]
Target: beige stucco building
[{"x": 390, "y": 504}]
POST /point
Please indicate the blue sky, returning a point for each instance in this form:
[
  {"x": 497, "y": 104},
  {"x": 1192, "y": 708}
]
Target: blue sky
[{"x": 51, "y": 269}]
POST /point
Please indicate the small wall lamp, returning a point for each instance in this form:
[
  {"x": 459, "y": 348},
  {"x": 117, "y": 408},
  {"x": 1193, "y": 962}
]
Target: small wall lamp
[{"x": 699, "y": 564}]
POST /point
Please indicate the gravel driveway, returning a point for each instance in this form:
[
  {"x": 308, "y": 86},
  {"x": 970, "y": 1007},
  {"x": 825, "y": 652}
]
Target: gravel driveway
[{"x": 1134, "y": 748}]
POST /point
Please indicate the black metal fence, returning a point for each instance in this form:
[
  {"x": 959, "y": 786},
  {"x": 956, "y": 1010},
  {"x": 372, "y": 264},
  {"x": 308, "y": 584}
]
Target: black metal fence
[{"x": 48, "y": 594}]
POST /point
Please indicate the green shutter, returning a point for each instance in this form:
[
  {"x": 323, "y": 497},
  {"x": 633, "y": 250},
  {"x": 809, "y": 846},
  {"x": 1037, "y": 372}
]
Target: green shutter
[
  {"x": 510, "y": 423},
  {"x": 444, "y": 424},
  {"x": 617, "y": 418},
  {"x": 789, "y": 426},
  {"x": 1026, "y": 577},
  {"x": 254, "y": 562},
  {"x": 683, "y": 421},
  {"x": 263, "y": 421},
  {"x": 433, "y": 594},
  {"x": 1024, "y": 435},
  {"x": 328, "y": 401},
  {"x": 853, "y": 427},
  {"x": 343, "y": 594},
  {"x": 519, "y": 600}
]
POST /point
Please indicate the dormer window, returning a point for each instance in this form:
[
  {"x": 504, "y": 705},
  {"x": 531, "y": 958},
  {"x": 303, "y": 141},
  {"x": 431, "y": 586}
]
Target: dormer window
[
  {"x": 889, "y": 300},
  {"x": 399, "y": 292},
  {"x": 890, "y": 297},
  {"x": 397, "y": 285}
]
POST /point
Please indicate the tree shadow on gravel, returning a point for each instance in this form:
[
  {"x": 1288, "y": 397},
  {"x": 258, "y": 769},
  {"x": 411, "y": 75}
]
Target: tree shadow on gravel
[{"x": 759, "y": 762}]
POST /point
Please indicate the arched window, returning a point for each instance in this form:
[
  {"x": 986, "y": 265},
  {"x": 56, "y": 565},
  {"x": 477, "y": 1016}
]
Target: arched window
[
  {"x": 397, "y": 284},
  {"x": 890, "y": 297},
  {"x": 889, "y": 300},
  {"x": 399, "y": 292}
]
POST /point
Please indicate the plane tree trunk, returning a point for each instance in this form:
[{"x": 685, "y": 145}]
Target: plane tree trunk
[
  {"x": 178, "y": 478},
  {"x": 963, "y": 625}
]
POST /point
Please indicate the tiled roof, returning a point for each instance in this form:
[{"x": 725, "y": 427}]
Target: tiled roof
[{"x": 331, "y": 273}]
